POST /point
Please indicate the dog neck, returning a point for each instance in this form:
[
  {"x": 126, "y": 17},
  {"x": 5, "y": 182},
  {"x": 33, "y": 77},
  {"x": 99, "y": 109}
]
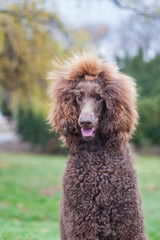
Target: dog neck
[{"x": 98, "y": 144}]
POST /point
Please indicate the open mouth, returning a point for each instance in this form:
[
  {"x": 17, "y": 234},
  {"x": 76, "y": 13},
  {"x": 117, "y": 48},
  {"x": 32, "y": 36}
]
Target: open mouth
[{"x": 87, "y": 132}]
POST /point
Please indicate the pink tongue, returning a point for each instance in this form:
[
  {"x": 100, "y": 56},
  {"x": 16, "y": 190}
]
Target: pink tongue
[{"x": 87, "y": 132}]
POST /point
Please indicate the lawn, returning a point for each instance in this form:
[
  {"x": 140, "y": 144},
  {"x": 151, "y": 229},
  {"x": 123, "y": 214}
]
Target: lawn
[{"x": 30, "y": 189}]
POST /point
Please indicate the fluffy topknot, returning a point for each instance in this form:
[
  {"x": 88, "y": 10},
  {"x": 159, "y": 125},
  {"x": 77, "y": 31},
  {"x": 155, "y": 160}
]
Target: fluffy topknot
[{"x": 84, "y": 64}]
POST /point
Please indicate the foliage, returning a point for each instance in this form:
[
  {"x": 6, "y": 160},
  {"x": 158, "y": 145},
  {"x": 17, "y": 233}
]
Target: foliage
[
  {"x": 6, "y": 111},
  {"x": 147, "y": 74},
  {"x": 34, "y": 129},
  {"x": 31, "y": 189},
  {"x": 27, "y": 45}
]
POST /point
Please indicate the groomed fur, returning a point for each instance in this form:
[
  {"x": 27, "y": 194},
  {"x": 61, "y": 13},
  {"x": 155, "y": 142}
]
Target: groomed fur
[{"x": 100, "y": 200}]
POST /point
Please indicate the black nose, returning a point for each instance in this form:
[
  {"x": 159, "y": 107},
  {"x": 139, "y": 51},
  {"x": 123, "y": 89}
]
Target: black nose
[{"x": 85, "y": 122}]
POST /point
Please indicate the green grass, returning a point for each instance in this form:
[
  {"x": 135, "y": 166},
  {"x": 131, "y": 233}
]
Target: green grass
[
  {"x": 30, "y": 189},
  {"x": 148, "y": 169}
]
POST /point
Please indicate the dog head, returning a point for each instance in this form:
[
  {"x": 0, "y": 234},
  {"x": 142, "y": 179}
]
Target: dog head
[{"x": 90, "y": 96}]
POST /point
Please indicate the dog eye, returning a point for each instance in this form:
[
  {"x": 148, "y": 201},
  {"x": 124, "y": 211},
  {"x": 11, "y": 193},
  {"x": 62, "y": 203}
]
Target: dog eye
[
  {"x": 98, "y": 97},
  {"x": 79, "y": 98}
]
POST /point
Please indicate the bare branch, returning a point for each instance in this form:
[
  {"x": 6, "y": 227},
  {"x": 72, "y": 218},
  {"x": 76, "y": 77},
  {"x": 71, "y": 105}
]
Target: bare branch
[{"x": 140, "y": 8}]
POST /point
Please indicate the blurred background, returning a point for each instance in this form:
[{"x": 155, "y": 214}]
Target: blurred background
[{"x": 32, "y": 33}]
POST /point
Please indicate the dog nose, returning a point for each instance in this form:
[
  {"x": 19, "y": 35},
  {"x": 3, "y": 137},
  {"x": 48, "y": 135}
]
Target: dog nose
[{"x": 85, "y": 122}]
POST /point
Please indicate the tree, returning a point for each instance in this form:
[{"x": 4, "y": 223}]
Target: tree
[
  {"x": 147, "y": 74},
  {"x": 143, "y": 33},
  {"x": 148, "y": 9},
  {"x": 27, "y": 44}
]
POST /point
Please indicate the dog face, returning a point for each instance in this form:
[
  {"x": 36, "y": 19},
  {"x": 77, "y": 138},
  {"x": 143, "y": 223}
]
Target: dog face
[{"x": 89, "y": 98}]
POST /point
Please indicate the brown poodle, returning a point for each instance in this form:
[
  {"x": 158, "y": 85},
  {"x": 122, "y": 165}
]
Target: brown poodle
[{"x": 94, "y": 106}]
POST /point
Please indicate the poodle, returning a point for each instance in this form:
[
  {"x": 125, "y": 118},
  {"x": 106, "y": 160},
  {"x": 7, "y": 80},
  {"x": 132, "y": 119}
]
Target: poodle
[{"x": 94, "y": 107}]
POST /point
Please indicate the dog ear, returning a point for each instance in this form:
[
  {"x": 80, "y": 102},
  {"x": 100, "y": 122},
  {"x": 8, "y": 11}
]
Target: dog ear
[
  {"x": 63, "y": 113},
  {"x": 119, "y": 115}
]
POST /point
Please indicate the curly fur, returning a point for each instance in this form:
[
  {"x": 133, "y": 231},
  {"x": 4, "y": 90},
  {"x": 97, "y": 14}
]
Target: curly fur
[{"x": 101, "y": 199}]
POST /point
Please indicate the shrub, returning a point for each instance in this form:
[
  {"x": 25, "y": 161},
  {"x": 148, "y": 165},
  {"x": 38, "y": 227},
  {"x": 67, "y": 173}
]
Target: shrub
[{"x": 34, "y": 129}]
